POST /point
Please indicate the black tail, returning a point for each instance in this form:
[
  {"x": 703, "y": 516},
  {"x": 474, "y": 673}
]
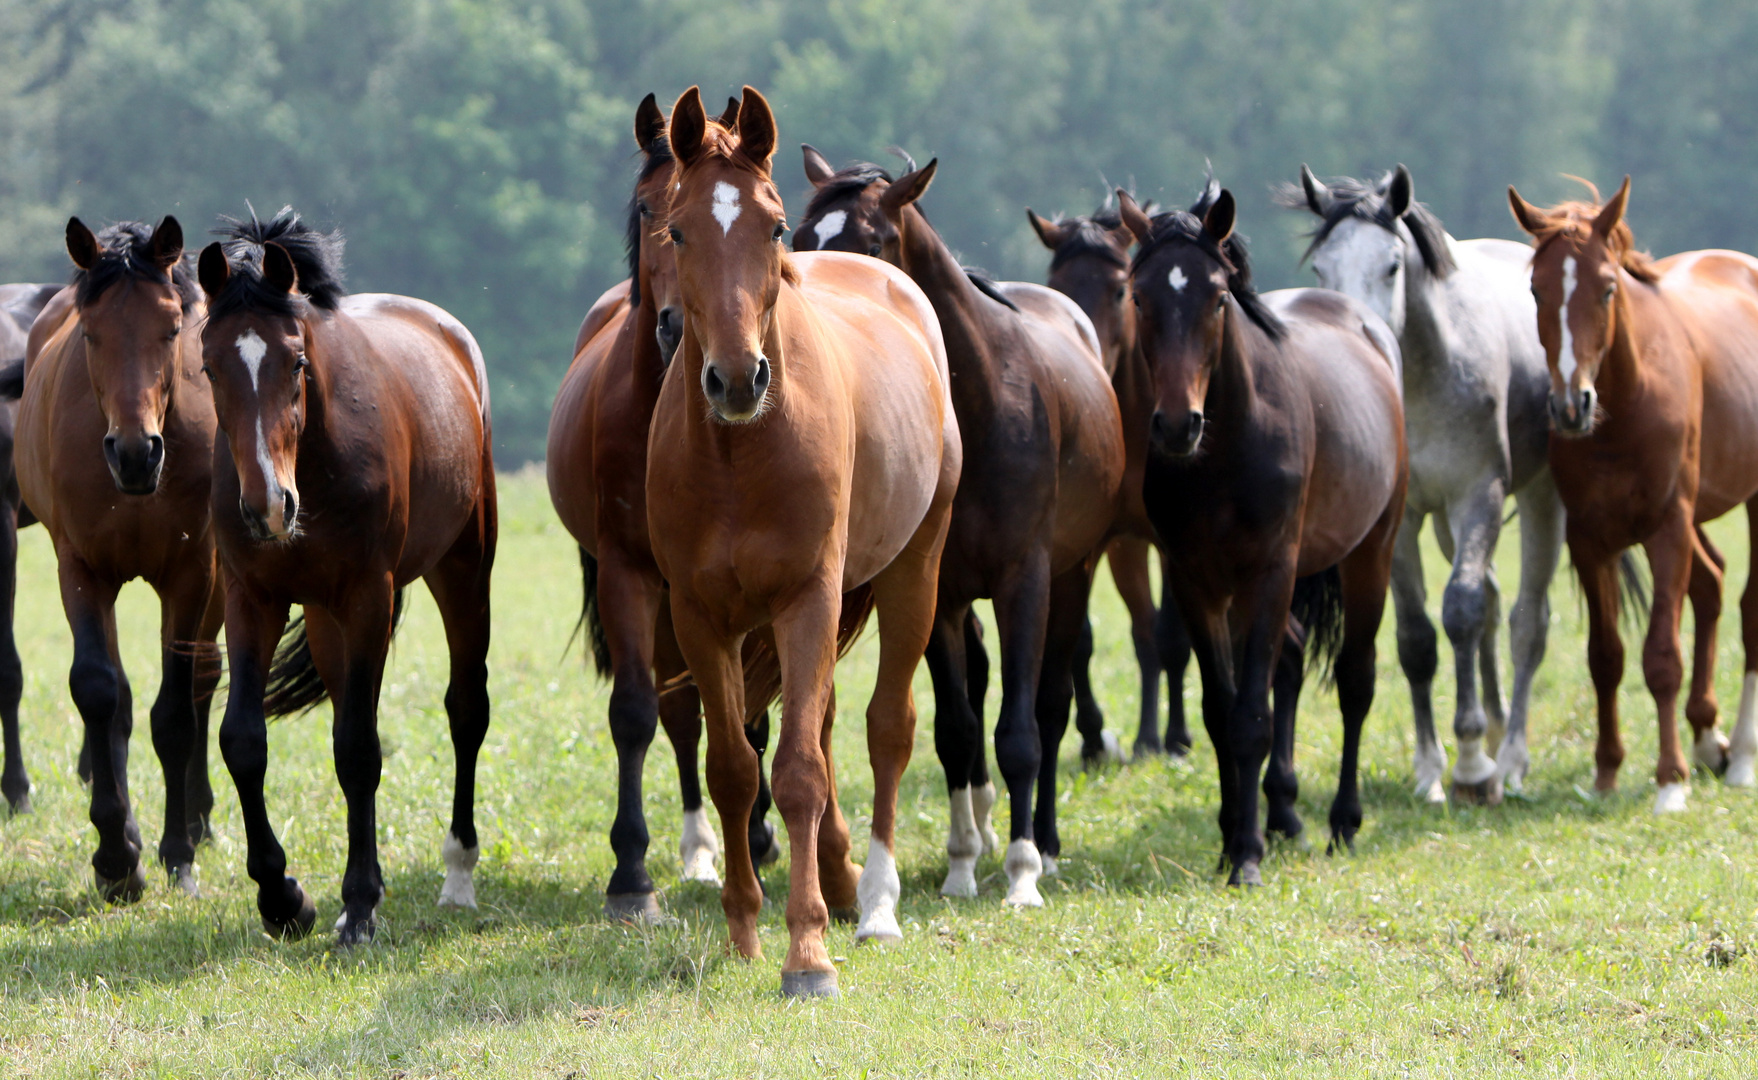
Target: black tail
[
  {"x": 1318, "y": 605},
  {"x": 12, "y": 379},
  {"x": 1633, "y": 592},
  {"x": 596, "y": 642},
  {"x": 294, "y": 686}
]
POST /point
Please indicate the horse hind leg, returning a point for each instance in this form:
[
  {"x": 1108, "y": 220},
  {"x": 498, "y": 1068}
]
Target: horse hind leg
[
  {"x": 1743, "y": 747},
  {"x": 958, "y": 738},
  {"x": 1022, "y": 615},
  {"x": 1128, "y": 557},
  {"x": 1066, "y": 624},
  {"x": 185, "y": 604},
  {"x": 1281, "y": 784},
  {"x": 1541, "y": 542},
  {"x": 1466, "y": 609},
  {"x": 1418, "y": 656},
  {"x": 838, "y": 877},
  {"x": 1708, "y": 567},
  {"x": 1172, "y": 643},
  {"x": 15, "y": 782},
  {"x": 198, "y": 790},
  {"x": 976, "y": 659},
  {"x": 1365, "y": 574}
]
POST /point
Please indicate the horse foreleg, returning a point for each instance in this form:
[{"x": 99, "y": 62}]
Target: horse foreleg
[
  {"x": 1264, "y": 609},
  {"x": 1021, "y": 614},
  {"x": 15, "y": 782},
  {"x": 1541, "y": 542},
  {"x": 1364, "y": 575},
  {"x": 1209, "y": 641},
  {"x": 958, "y": 737},
  {"x": 253, "y": 627},
  {"x": 365, "y": 628},
  {"x": 976, "y": 667},
  {"x": 1709, "y": 746},
  {"x": 183, "y": 603},
  {"x": 1474, "y": 520},
  {"x": 1172, "y": 642},
  {"x": 628, "y": 604},
  {"x": 1418, "y": 656},
  {"x": 1067, "y": 622},
  {"x": 1743, "y": 747},
  {"x": 731, "y": 766},
  {"x": 99, "y": 692},
  {"x": 1605, "y": 657},
  {"x": 1671, "y": 551},
  {"x": 460, "y": 587}
]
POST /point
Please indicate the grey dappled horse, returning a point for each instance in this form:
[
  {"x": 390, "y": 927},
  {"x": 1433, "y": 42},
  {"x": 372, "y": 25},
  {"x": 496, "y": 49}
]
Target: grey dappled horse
[{"x": 1475, "y": 392}]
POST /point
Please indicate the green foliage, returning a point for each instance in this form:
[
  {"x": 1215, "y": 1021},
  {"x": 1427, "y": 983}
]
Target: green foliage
[{"x": 476, "y": 151}]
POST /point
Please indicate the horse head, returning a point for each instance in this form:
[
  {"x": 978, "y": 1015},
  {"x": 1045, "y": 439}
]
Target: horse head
[
  {"x": 134, "y": 297},
  {"x": 1089, "y": 264},
  {"x": 726, "y": 223},
  {"x": 1583, "y": 252}
]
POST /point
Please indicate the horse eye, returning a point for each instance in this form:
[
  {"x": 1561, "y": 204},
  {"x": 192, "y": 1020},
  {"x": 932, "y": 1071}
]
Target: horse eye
[
  {"x": 780, "y": 228},
  {"x": 1609, "y": 290},
  {"x": 677, "y": 237},
  {"x": 208, "y": 371},
  {"x": 172, "y": 335},
  {"x": 644, "y": 210},
  {"x": 1392, "y": 270},
  {"x": 300, "y": 364},
  {"x": 875, "y": 250},
  {"x": 1120, "y": 291}
]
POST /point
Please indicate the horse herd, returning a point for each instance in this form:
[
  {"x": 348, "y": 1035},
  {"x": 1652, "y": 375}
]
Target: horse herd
[{"x": 756, "y": 450}]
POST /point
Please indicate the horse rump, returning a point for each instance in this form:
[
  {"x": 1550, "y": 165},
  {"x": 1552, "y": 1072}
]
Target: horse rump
[
  {"x": 1318, "y": 608},
  {"x": 294, "y": 686}
]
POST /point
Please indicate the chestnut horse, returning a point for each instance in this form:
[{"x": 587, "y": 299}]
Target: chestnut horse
[
  {"x": 803, "y": 444},
  {"x": 1278, "y": 457},
  {"x": 1044, "y": 459},
  {"x": 1654, "y": 415},
  {"x": 1090, "y": 264},
  {"x": 19, "y": 305},
  {"x": 113, "y": 455},
  {"x": 597, "y": 466},
  {"x": 354, "y": 457}
]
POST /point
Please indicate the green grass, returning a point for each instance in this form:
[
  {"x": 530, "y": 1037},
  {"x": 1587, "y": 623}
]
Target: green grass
[{"x": 1556, "y": 935}]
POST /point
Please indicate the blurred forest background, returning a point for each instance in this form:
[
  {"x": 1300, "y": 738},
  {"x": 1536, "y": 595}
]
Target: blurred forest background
[{"x": 477, "y": 153}]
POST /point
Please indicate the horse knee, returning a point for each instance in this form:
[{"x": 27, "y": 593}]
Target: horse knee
[
  {"x": 96, "y": 687},
  {"x": 1418, "y": 651},
  {"x": 1663, "y": 668},
  {"x": 634, "y": 715},
  {"x": 799, "y": 786},
  {"x": 1464, "y": 607}
]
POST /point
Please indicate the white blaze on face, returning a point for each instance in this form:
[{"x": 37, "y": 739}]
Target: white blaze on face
[
  {"x": 829, "y": 226},
  {"x": 252, "y": 349},
  {"x": 1177, "y": 279},
  {"x": 1566, "y": 357},
  {"x": 726, "y": 206}
]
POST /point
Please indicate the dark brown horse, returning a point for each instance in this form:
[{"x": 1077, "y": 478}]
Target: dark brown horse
[
  {"x": 1654, "y": 416},
  {"x": 1090, "y": 264},
  {"x": 113, "y": 455},
  {"x": 1278, "y": 455},
  {"x": 19, "y": 306},
  {"x": 803, "y": 445},
  {"x": 597, "y": 465},
  {"x": 1044, "y": 459},
  {"x": 354, "y": 457}
]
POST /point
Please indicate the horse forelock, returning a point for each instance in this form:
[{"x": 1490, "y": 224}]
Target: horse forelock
[
  {"x": 1365, "y": 200},
  {"x": 1093, "y": 236},
  {"x": 1573, "y": 221},
  {"x": 126, "y": 253},
  {"x": 848, "y": 180},
  {"x": 316, "y": 256},
  {"x": 1178, "y": 226}
]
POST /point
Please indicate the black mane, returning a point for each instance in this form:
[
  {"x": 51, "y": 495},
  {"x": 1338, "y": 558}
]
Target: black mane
[
  {"x": 317, "y": 259},
  {"x": 1366, "y": 201},
  {"x": 1093, "y": 236},
  {"x": 126, "y": 253},
  {"x": 850, "y": 179},
  {"x": 657, "y": 153},
  {"x": 1188, "y": 227}
]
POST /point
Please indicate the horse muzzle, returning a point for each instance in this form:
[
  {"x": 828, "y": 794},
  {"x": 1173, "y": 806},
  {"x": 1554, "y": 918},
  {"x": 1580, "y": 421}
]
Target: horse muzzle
[
  {"x": 736, "y": 398},
  {"x": 135, "y": 462},
  {"x": 1177, "y": 438},
  {"x": 1572, "y": 413},
  {"x": 266, "y": 528}
]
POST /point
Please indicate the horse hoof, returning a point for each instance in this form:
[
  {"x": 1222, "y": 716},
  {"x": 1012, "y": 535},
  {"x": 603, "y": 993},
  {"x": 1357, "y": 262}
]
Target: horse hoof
[
  {"x": 300, "y": 924},
  {"x": 1711, "y": 752},
  {"x": 1024, "y": 867},
  {"x": 1247, "y": 875},
  {"x": 1482, "y": 793},
  {"x": 879, "y": 927},
  {"x": 1051, "y": 866},
  {"x": 459, "y": 888},
  {"x": 1674, "y": 798},
  {"x": 123, "y": 890},
  {"x": 1740, "y": 771},
  {"x": 185, "y": 880},
  {"x": 635, "y": 908},
  {"x": 1341, "y": 842},
  {"x": 1284, "y": 822},
  {"x": 809, "y": 984},
  {"x": 1109, "y": 752},
  {"x": 847, "y": 916},
  {"x": 1145, "y": 749},
  {"x": 700, "y": 848},
  {"x": 961, "y": 876},
  {"x": 20, "y": 805},
  {"x": 352, "y": 932}
]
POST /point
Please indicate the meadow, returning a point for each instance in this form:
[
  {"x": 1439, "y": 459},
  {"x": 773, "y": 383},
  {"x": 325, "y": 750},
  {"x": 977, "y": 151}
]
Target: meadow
[{"x": 1559, "y": 934}]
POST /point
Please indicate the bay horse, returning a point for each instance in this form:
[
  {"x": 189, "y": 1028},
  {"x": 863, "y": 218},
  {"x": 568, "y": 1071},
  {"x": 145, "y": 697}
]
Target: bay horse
[
  {"x": 19, "y": 306},
  {"x": 1654, "y": 411},
  {"x": 1044, "y": 460},
  {"x": 804, "y": 444},
  {"x": 597, "y": 471},
  {"x": 113, "y": 455},
  {"x": 354, "y": 456},
  {"x": 1475, "y": 391},
  {"x": 1276, "y": 481},
  {"x": 1089, "y": 263}
]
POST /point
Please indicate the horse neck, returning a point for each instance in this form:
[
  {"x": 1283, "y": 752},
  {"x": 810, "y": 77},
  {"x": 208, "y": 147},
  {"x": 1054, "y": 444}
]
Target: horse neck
[
  {"x": 1620, "y": 375},
  {"x": 963, "y": 310},
  {"x": 1424, "y": 340},
  {"x": 1233, "y": 387},
  {"x": 647, "y": 367}
]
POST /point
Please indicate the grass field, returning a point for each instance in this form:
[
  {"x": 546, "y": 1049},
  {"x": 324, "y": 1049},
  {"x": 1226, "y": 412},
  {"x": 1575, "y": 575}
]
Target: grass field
[{"x": 1557, "y": 935}]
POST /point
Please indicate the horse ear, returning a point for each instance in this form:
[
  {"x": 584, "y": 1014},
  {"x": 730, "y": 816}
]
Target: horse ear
[
  {"x": 1134, "y": 219},
  {"x": 649, "y": 123},
  {"x": 1527, "y": 216},
  {"x": 277, "y": 268},
  {"x": 756, "y": 128},
  {"x": 167, "y": 243},
  {"x": 82, "y": 246},
  {"x": 908, "y": 188},
  {"x": 1614, "y": 210},
  {"x": 729, "y": 119},
  {"x": 818, "y": 169},
  {"x": 1052, "y": 233},
  {"x": 212, "y": 271},
  {"x": 1318, "y": 196},
  {"x": 1218, "y": 222},
  {"x": 1401, "y": 193},
  {"x": 688, "y": 127}
]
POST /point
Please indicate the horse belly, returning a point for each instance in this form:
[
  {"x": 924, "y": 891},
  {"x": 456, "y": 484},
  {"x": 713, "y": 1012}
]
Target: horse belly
[
  {"x": 1355, "y": 465},
  {"x": 896, "y": 472}
]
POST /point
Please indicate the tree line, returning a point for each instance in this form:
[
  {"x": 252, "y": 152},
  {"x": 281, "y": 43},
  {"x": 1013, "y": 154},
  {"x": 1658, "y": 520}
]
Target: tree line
[{"x": 477, "y": 153}]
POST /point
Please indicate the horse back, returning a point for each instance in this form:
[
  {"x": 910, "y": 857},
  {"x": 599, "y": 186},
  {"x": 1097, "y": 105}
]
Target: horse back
[
  {"x": 1346, "y": 370},
  {"x": 1715, "y": 295},
  {"x": 571, "y": 458}
]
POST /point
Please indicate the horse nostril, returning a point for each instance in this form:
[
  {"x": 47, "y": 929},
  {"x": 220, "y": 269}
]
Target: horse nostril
[
  {"x": 712, "y": 384},
  {"x": 155, "y": 450},
  {"x": 289, "y": 509},
  {"x": 760, "y": 383},
  {"x": 1193, "y": 426}
]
